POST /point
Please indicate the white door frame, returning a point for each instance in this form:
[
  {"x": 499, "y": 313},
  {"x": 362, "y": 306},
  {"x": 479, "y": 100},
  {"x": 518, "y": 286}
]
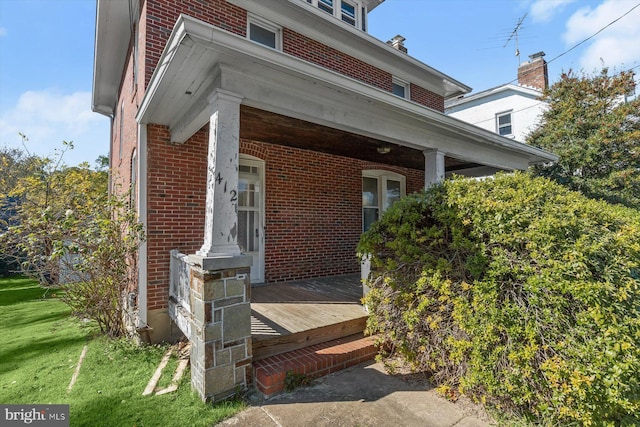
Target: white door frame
[{"x": 257, "y": 271}]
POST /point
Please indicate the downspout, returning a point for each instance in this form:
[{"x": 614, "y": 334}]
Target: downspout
[
  {"x": 109, "y": 174},
  {"x": 142, "y": 217}
]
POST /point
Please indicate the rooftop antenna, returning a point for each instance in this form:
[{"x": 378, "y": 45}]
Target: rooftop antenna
[{"x": 514, "y": 35}]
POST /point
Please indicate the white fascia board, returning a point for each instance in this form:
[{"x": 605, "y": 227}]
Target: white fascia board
[
  {"x": 372, "y": 4},
  {"x": 194, "y": 39},
  {"x": 308, "y": 20}
]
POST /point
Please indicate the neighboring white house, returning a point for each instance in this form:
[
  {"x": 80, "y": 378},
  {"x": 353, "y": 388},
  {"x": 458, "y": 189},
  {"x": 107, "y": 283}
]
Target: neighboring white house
[{"x": 510, "y": 110}]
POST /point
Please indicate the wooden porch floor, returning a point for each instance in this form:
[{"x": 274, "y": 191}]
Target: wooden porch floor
[{"x": 288, "y": 316}]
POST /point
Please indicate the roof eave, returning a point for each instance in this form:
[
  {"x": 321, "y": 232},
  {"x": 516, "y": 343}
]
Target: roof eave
[
  {"x": 526, "y": 91},
  {"x": 112, "y": 38},
  {"x": 191, "y": 39}
]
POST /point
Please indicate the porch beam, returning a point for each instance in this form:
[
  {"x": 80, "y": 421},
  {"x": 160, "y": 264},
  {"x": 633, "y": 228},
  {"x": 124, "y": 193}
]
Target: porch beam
[
  {"x": 433, "y": 167},
  {"x": 221, "y": 215}
]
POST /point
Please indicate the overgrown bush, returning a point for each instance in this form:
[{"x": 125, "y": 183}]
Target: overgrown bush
[
  {"x": 516, "y": 292},
  {"x": 98, "y": 259}
]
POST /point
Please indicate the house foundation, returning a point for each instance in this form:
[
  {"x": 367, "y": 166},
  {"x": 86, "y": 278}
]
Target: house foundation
[{"x": 220, "y": 332}]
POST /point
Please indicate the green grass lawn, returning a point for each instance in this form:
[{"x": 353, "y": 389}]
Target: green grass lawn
[{"x": 39, "y": 351}]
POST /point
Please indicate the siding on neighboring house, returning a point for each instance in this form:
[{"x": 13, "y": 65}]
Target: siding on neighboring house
[
  {"x": 522, "y": 101},
  {"x": 525, "y": 109}
]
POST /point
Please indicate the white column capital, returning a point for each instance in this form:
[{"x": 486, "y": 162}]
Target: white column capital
[
  {"x": 223, "y": 95},
  {"x": 433, "y": 151}
]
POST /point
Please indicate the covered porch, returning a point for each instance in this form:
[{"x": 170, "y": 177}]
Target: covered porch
[{"x": 284, "y": 108}]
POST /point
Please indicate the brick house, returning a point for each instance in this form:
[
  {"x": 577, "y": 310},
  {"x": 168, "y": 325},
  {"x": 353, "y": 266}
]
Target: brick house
[{"x": 262, "y": 137}]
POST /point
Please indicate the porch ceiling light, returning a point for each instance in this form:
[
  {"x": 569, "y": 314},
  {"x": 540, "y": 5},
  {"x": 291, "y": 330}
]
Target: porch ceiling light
[{"x": 383, "y": 149}]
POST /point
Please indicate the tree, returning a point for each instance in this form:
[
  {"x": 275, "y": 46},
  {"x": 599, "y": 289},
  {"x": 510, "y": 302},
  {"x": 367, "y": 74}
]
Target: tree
[
  {"x": 15, "y": 165},
  {"x": 65, "y": 229},
  {"x": 595, "y": 133},
  {"x": 37, "y": 193}
]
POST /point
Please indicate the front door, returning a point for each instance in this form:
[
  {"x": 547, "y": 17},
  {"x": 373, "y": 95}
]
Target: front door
[{"x": 250, "y": 215}]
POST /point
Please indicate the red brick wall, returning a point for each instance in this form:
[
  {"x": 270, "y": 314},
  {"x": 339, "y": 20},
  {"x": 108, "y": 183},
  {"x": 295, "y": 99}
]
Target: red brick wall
[
  {"x": 124, "y": 129},
  {"x": 175, "y": 203},
  {"x": 310, "y": 50},
  {"x": 427, "y": 98},
  {"x": 313, "y": 212},
  {"x": 163, "y": 14}
]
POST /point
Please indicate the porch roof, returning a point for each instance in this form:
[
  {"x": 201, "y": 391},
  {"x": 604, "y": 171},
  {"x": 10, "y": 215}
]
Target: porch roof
[{"x": 200, "y": 58}]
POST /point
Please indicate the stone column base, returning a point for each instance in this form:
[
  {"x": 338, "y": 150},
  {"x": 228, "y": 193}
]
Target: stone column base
[{"x": 221, "y": 326}]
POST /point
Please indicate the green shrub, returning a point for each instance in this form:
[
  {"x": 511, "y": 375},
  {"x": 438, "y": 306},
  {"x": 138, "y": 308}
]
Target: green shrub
[{"x": 516, "y": 292}]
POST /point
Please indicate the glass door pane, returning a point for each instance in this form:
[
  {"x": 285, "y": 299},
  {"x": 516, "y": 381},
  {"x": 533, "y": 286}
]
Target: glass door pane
[
  {"x": 250, "y": 232},
  {"x": 370, "y": 202},
  {"x": 393, "y": 193}
]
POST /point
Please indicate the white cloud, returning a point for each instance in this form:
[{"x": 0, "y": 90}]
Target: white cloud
[
  {"x": 543, "y": 10},
  {"x": 618, "y": 46},
  {"x": 3, "y": 31},
  {"x": 49, "y": 117}
]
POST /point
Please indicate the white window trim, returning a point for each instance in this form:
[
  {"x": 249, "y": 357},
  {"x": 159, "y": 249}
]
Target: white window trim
[
  {"x": 403, "y": 83},
  {"x": 382, "y": 176},
  {"x": 360, "y": 11},
  {"x": 267, "y": 25},
  {"x": 501, "y": 114},
  {"x": 133, "y": 197},
  {"x": 248, "y": 160},
  {"x": 121, "y": 131}
]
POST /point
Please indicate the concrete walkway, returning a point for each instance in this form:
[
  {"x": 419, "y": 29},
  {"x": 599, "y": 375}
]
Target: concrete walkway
[{"x": 364, "y": 395}]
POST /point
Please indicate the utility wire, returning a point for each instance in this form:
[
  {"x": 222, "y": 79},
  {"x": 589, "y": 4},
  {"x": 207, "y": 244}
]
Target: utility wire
[
  {"x": 564, "y": 53},
  {"x": 587, "y": 39}
]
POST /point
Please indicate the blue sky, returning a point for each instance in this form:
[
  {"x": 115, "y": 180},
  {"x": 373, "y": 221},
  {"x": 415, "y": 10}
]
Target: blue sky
[{"x": 46, "y": 54}]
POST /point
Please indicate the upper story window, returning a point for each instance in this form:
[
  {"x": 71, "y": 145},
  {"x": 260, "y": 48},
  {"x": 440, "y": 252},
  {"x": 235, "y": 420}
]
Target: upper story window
[
  {"x": 121, "y": 132},
  {"x": 503, "y": 124},
  {"x": 400, "y": 88},
  {"x": 350, "y": 11},
  {"x": 326, "y": 5},
  {"x": 264, "y": 32}
]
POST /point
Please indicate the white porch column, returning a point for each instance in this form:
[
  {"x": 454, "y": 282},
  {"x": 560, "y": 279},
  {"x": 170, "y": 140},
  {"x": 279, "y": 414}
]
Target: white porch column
[
  {"x": 221, "y": 217},
  {"x": 433, "y": 167}
]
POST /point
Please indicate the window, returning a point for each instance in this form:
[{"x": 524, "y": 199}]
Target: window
[
  {"x": 380, "y": 189},
  {"x": 503, "y": 124},
  {"x": 349, "y": 11},
  {"x": 400, "y": 88},
  {"x": 121, "y": 133},
  {"x": 326, "y": 5},
  {"x": 265, "y": 33},
  {"x": 134, "y": 180}
]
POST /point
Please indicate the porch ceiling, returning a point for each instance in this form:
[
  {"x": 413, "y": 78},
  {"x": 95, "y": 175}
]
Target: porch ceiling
[{"x": 260, "y": 125}]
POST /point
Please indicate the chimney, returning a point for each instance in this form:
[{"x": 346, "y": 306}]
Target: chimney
[
  {"x": 398, "y": 43},
  {"x": 534, "y": 73}
]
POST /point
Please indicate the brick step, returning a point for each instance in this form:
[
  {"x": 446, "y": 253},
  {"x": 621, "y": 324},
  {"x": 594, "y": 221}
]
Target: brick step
[{"x": 313, "y": 361}]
